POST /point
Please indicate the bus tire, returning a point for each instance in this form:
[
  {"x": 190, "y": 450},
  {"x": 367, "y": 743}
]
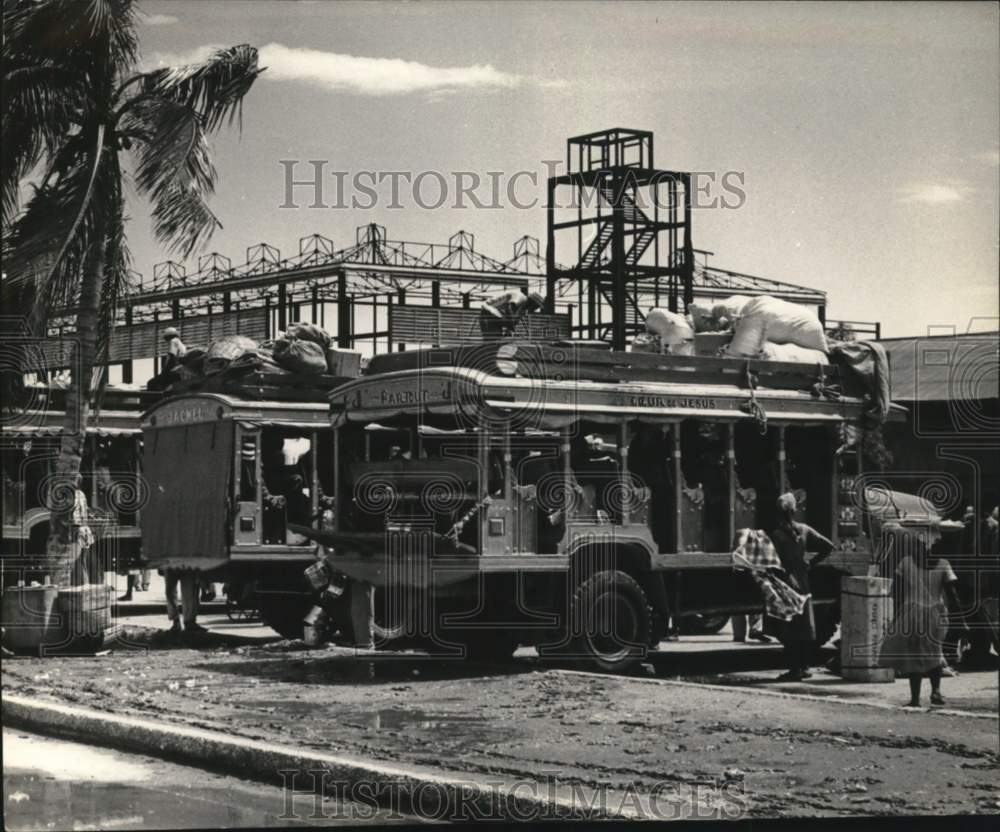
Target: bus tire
[
  {"x": 388, "y": 624},
  {"x": 614, "y": 598}
]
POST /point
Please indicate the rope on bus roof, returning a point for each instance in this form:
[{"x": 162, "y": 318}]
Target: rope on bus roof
[{"x": 753, "y": 407}]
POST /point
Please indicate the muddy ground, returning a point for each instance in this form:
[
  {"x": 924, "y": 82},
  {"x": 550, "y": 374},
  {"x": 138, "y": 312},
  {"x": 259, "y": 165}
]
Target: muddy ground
[{"x": 737, "y": 749}]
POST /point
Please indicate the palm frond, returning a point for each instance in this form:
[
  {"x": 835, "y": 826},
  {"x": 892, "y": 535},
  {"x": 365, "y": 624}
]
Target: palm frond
[
  {"x": 72, "y": 29},
  {"x": 173, "y": 168},
  {"x": 214, "y": 89},
  {"x": 50, "y": 240},
  {"x": 170, "y": 146},
  {"x": 41, "y": 103},
  {"x": 182, "y": 220}
]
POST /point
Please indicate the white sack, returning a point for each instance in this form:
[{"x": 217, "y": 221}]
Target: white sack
[
  {"x": 702, "y": 318},
  {"x": 780, "y": 322},
  {"x": 792, "y": 352},
  {"x": 646, "y": 342},
  {"x": 731, "y": 308},
  {"x": 672, "y": 327},
  {"x": 680, "y": 348}
]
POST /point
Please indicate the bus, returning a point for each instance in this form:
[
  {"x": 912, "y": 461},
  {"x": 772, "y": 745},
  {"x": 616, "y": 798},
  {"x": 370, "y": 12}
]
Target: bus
[
  {"x": 578, "y": 500},
  {"x": 229, "y": 475},
  {"x": 111, "y": 471}
]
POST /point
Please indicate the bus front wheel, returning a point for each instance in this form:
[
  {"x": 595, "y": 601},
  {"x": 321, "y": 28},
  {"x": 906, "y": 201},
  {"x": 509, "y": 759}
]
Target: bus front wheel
[{"x": 612, "y": 620}]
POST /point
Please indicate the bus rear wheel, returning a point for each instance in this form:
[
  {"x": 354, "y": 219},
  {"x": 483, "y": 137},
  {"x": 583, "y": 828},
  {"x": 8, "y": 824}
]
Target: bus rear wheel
[
  {"x": 391, "y": 619},
  {"x": 612, "y": 620}
]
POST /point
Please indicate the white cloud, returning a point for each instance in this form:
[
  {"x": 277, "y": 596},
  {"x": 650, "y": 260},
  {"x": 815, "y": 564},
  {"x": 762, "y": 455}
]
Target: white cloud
[
  {"x": 378, "y": 76},
  {"x": 934, "y": 193},
  {"x": 158, "y": 19},
  {"x": 365, "y": 76},
  {"x": 194, "y": 56}
]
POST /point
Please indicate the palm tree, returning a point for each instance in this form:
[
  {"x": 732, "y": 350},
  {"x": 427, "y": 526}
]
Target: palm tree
[{"x": 76, "y": 117}]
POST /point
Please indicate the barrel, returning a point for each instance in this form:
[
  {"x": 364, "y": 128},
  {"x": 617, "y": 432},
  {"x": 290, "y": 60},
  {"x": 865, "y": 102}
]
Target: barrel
[
  {"x": 865, "y": 615},
  {"x": 30, "y": 618},
  {"x": 85, "y": 610}
]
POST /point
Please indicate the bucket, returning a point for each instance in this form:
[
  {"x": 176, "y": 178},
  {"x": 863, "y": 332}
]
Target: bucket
[{"x": 318, "y": 575}]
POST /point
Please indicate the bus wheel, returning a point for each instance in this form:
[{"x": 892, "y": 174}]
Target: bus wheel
[
  {"x": 612, "y": 620},
  {"x": 390, "y": 619},
  {"x": 284, "y": 612}
]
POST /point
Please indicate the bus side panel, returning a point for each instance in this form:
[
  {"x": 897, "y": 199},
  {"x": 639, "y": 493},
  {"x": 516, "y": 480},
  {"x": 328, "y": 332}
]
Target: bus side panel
[{"x": 188, "y": 471}]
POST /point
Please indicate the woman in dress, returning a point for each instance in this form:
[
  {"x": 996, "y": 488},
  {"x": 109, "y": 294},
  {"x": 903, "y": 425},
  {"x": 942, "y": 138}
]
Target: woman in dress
[
  {"x": 791, "y": 541},
  {"x": 923, "y": 586}
]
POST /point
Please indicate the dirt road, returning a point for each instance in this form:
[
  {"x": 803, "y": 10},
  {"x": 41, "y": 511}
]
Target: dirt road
[{"x": 740, "y": 749}]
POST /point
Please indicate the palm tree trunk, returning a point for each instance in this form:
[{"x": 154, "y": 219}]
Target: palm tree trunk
[{"x": 63, "y": 549}]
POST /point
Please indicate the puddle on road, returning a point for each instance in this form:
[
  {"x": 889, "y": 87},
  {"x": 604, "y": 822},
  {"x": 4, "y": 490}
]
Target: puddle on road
[
  {"x": 396, "y": 719},
  {"x": 382, "y": 719},
  {"x": 55, "y": 784},
  {"x": 36, "y": 802},
  {"x": 353, "y": 670}
]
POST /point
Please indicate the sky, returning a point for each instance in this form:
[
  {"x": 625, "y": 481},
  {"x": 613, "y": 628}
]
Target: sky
[{"x": 867, "y": 135}]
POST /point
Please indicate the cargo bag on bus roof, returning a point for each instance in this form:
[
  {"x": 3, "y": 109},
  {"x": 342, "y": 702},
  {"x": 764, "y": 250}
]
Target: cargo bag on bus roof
[
  {"x": 187, "y": 469},
  {"x": 309, "y": 332},
  {"x": 766, "y": 319},
  {"x": 792, "y": 353},
  {"x": 867, "y": 364},
  {"x": 305, "y": 357}
]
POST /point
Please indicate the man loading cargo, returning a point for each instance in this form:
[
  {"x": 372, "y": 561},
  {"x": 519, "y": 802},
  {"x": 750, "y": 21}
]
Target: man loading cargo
[
  {"x": 499, "y": 316},
  {"x": 175, "y": 348}
]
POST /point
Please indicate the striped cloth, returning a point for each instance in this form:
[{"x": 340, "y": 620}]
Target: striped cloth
[
  {"x": 755, "y": 553},
  {"x": 754, "y": 550},
  {"x": 780, "y": 600}
]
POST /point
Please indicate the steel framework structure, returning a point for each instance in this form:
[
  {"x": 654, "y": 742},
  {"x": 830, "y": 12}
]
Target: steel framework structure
[
  {"x": 630, "y": 240},
  {"x": 375, "y": 272},
  {"x": 625, "y": 231}
]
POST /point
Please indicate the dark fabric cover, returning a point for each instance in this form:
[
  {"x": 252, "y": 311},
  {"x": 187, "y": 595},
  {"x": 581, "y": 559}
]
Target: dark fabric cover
[
  {"x": 867, "y": 362},
  {"x": 187, "y": 469},
  {"x": 310, "y": 332},
  {"x": 296, "y": 356}
]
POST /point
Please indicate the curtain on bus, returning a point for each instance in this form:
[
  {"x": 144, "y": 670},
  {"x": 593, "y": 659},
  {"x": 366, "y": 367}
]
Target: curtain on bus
[{"x": 187, "y": 470}]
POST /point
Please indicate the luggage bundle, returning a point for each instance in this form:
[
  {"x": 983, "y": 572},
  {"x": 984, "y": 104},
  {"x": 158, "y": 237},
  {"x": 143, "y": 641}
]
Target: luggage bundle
[
  {"x": 297, "y": 364},
  {"x": 765, "y": 322},
  {"x": 666, "y": 333},
  {"x": 760, "y": 327},
  {"x": 746, "y": 327}
]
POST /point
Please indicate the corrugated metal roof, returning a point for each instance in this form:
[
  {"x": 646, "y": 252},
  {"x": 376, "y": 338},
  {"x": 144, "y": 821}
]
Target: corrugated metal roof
[
  {"x": 50, "y": 423},
  {"x": 962, "y": 367}
]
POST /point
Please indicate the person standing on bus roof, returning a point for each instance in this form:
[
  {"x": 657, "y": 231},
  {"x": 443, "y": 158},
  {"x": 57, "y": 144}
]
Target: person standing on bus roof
[
  {"x": 175, "y": 348},
  {"x": 500, "y": 315},
  {"x": 791, "y": 540}
]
